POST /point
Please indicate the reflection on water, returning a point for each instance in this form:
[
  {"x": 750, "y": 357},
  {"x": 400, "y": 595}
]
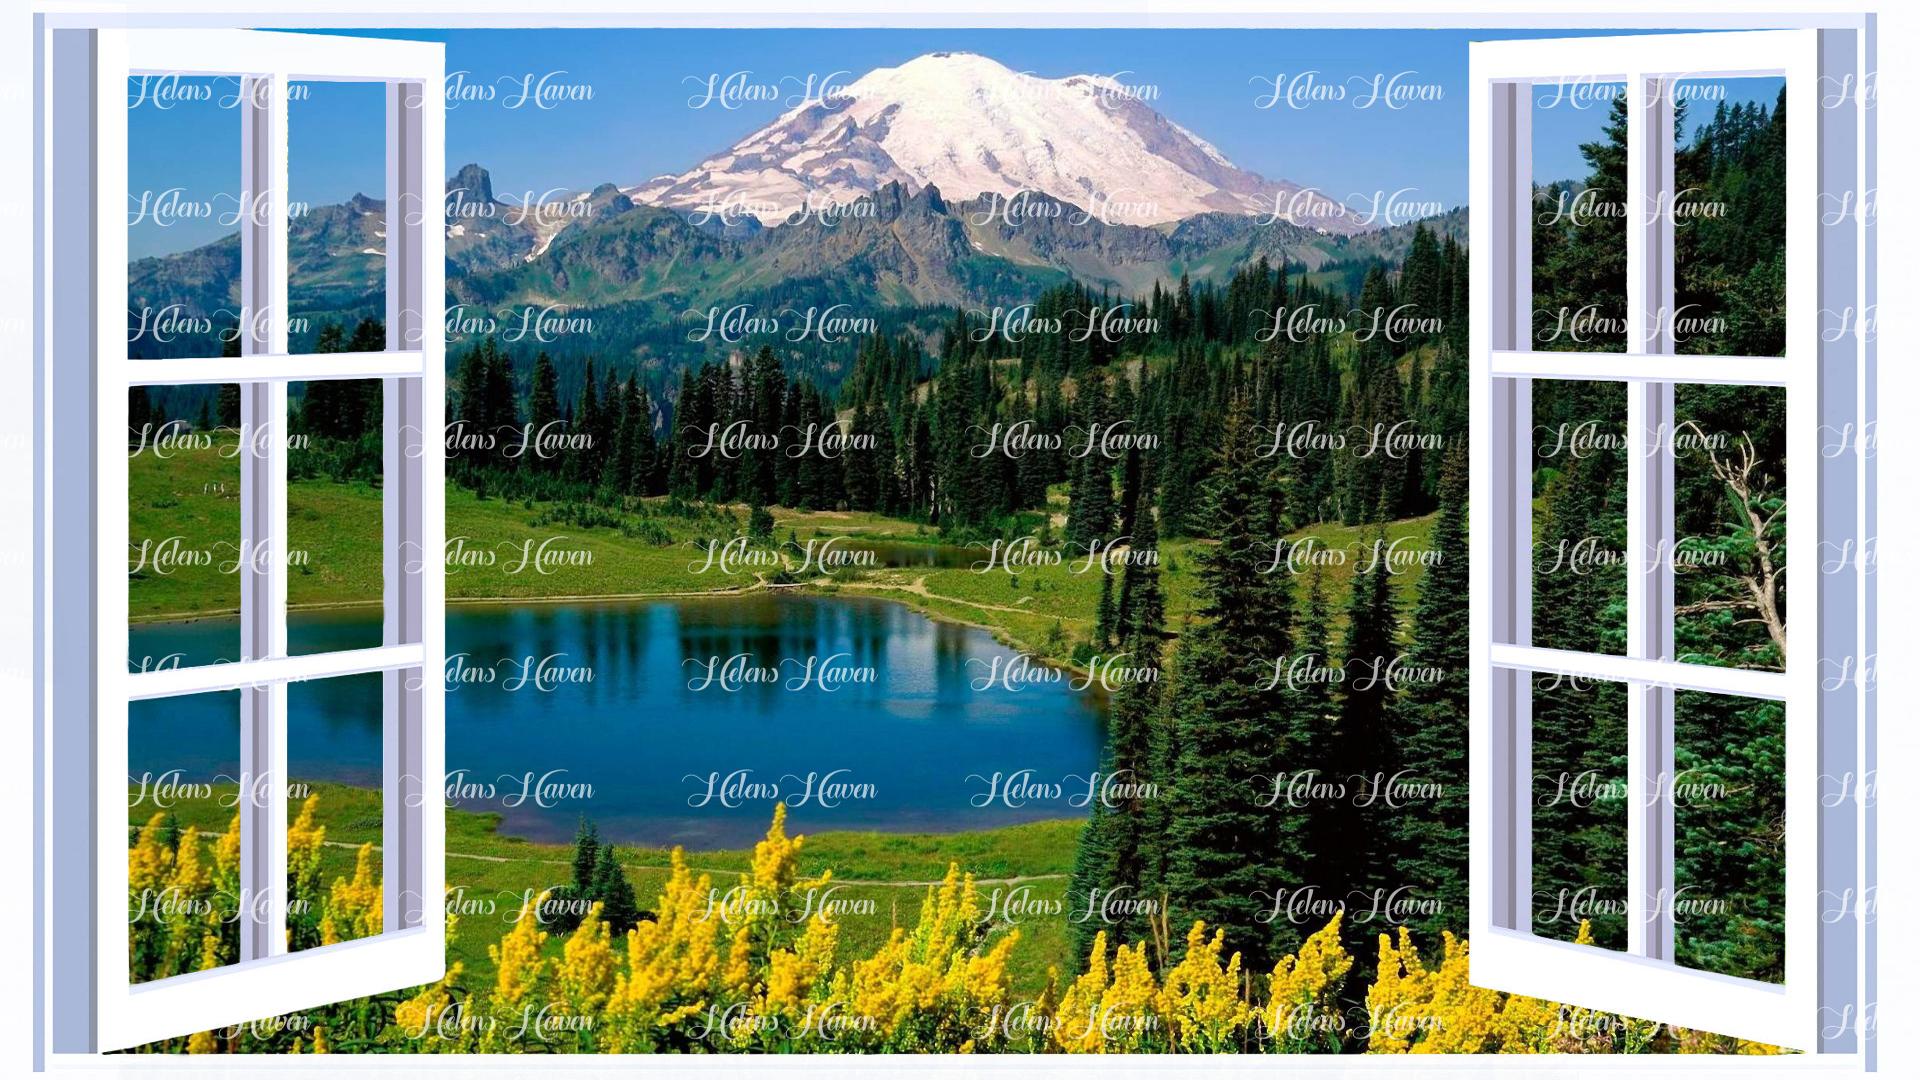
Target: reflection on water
[{"x": 679, "y": 716}]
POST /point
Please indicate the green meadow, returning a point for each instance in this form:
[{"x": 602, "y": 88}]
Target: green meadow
[{"x": 530, "y": 552}]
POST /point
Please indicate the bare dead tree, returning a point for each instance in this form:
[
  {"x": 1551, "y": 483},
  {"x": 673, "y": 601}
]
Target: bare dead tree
[{"x": 1761, "y": 578}]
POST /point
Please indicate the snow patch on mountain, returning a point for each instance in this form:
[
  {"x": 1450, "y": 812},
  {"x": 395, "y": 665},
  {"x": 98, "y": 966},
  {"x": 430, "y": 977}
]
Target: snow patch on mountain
[{"x": 972, "y": 127}]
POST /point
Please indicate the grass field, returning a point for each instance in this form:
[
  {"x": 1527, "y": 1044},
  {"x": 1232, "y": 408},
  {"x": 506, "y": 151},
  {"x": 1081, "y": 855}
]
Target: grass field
[{"x": 188, "y": 504}]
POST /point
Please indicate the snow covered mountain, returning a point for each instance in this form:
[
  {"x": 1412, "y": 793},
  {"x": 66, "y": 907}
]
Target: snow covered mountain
[{"x": 971, "y": 127}]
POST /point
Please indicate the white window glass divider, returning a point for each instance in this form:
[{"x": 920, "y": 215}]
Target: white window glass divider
[
  {"x": 277, "y": 367},
  {"x": 1642, "y": 368}
]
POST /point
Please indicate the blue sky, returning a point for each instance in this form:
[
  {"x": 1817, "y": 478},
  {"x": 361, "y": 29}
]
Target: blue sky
[{"x": 638, "y": 122}]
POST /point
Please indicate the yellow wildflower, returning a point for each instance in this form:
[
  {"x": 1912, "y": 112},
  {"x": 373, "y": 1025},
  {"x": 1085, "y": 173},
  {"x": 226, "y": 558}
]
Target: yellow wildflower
[
  {"x": 1202, "y": 1000},
  {"x": 517, "y": 957},
  {"x": 355, "y": 910},
  {"x": 588, "y": 965}
]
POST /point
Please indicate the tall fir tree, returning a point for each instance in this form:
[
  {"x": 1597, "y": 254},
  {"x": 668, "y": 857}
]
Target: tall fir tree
[
  {"x": 1360, "y": 749},
  {"x": 1430, "y": 718},
  {"x": 1121, "y": 855},
  {"x": 543, "y": 411},
  {"x": 1227, "y": 856}
]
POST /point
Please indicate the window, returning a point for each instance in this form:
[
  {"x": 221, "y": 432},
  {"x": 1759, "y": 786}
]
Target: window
[
  {"x": 1801, "y": 684},
  {"x": 244, "y": 79}
]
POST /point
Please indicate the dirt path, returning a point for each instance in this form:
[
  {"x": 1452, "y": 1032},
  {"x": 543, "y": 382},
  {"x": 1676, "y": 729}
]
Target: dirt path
[{"x": 918, "y": 587}]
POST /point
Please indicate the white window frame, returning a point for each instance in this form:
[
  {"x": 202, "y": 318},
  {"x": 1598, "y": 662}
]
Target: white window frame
[
  {"x": 96, "y": 1007},
  {"x": 61, "y": 315},
  {"x": 1827, "y": 701}
]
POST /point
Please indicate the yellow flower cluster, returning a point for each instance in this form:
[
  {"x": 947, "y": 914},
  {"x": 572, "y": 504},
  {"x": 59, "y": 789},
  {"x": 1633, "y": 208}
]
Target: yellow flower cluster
[
  {"x": 1201, "y": 1005},
  {"x": 1413, "y": 1008},
  {"x": 1301, "y": 1013},
  {"x": 355, "y": 907},
  {"x": 185, "y": 898},
  {"x": 930, "y": 989},
  {"x": 755, "y": 969},
  {"x": 182, "y": 900},
  {"x": 692, "y": 979},
  {"x": 1111, "y": 1008}
]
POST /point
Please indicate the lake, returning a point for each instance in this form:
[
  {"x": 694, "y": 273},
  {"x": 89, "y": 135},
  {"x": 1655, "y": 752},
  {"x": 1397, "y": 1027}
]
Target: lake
[{"x": 678, "y": 721}]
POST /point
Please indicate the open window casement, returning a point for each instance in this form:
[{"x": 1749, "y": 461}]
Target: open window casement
[
  {"x": 98, "y": 1004},
  {"x": 1815, "y": 1001}
]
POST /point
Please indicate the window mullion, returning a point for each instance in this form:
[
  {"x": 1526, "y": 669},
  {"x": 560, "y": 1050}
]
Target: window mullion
[
  {"x": 1830, "y": 916},
  {"x": 1650, "y": 525},
  {"x": 263, "y": 519},
  {"x": 1511, "y": 527},
  {"x": 408, "y": 430}
]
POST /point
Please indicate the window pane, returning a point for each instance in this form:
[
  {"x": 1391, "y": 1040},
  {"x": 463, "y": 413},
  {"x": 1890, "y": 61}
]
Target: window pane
[
  {"x": 335, "y": 520},
  {"x": 336, "y": 207},
  {"x": 1730, "y": 216},
  {"x": 1580, "y": 809},
  {"x": 1730, "y": 525},
  {"x": 334, "y": 810},
  {"x": 1730, "y": 840},
  {"x": 184, "y": 786},
  {"x": 184, "y": 549},
  {"x": 1579, "y": 517},
  {"x": 185, "y": 201},
  {"x": 1579, "y": 222}
]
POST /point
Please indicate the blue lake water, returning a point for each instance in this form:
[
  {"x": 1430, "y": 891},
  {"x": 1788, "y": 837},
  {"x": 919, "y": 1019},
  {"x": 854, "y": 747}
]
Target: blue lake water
[{"x": 675, "y": 721}]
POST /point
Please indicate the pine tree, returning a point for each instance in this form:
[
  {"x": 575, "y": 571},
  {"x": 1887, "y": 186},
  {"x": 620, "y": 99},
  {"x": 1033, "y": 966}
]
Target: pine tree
[
  {"x": 572, "y": 898},
  {"x": 1376, "y": 403},
  {"x": 586, "y": 852},
  {"x": 543, "y": 409},
  {"x": 765, "y": 403},
  {"x": 1090, "y": 501},
  {"x": 1360, "y": 747},
  {"x": 364, "y": 398},
  {"x": 227, "y": 412},
  {"x": 1103, "y": 617},
  {"x": 1122, "y": 850},
  {"x": 321, "y": 401},
  {"x": 620, "y": 909},
  {"x": 1429, "y": 721},
  {"x": 583, "y": 466},
  {"x": 616, "y": 476},
  {"x": 1579, "y": 730},
  {"x": 140, "y": 415},
  {"x": 760, "y": 523},
  {"x": 645, "y": 477},
  {"x": 468, "y": 404},
  {"x": 1226, "y": 855},
  {"x": 1142, "y": 608}
]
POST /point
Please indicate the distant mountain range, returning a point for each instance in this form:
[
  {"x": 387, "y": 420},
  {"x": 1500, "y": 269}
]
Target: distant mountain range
[{"x": 949, "y": 180}]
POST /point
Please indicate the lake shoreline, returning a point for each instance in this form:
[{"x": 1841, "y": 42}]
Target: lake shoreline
[
  {"x": 896, "y": 594},
  {"x": 760, "y": 605}
]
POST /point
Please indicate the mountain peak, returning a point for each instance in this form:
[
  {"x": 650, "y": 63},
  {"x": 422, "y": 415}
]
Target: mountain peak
[
  {"x": 474, "y": 181},
  {"x": 951, "y": 63},
  {"x": 957, "y": 55},
  {"x": 973, "y": 127}
]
